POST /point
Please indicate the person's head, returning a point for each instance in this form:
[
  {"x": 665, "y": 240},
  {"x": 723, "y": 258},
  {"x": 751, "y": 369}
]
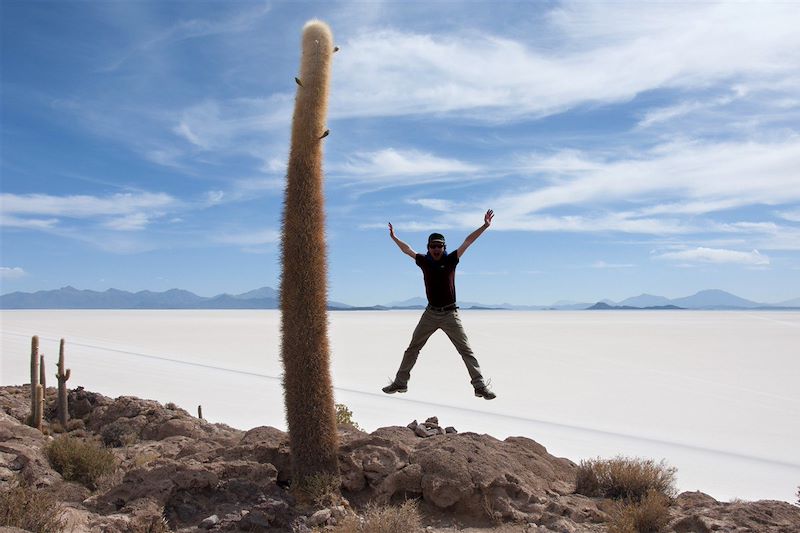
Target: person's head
[{"x": 436, "y": 245}]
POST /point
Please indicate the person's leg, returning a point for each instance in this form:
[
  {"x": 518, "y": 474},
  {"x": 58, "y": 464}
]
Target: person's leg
[
  {"x": 425, "y": 328},
  {"x": 455, "y": 331}
]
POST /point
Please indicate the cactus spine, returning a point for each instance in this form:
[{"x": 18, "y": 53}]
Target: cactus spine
[
  {"x": 308, "y": 391},
  {"x": 62, "y": 376},
  {"x": 36, "y": 404}
]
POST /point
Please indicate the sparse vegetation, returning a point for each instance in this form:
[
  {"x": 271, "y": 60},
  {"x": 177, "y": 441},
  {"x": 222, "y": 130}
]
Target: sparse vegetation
[
  {"x": 321, "y": 489},
  {"x": 345, "y": 416},
  {"x": 27, "y": 508},
  {"x": 383, "y": 518},
  {"x": 118, "y": 434},
  {"x": 83, "y": 461},
  {"x": 624, "y": 478},
  {"x": 650, "y": 515},
  {"x": 153, "y": 524},
  {"x": 145, "y": 458}
]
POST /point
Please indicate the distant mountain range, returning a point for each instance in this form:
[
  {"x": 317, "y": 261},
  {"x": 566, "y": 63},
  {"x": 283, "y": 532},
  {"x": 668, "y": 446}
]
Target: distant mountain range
[{"x": 267, "y": 298}]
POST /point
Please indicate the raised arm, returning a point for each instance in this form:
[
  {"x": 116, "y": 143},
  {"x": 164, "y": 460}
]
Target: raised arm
[
  {"x": 487, "y": 221},
  {"x": 403, "y": 246}
]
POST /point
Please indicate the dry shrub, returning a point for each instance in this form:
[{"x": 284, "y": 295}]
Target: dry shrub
[
  {"x": 145, "y": 458},
  {"x": 321, "y": 489},
  {"x": 383, "y": 518},
  {"x": 75, "y": 424},
  {"x": 624, "y": 478},
  {"x": 650, "y": 515},
  {"x": 150, "y": 524},
  {"x": 82, "y": 461},
  {"x": 34, "y": 510}
]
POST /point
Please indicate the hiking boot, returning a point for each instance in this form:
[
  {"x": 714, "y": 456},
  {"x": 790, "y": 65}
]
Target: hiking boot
[
  {"x": 485, "y": 393},
  {"x": 393, "y": 387}
]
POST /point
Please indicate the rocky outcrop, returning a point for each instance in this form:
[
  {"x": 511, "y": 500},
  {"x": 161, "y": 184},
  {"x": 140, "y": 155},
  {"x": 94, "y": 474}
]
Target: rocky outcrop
[
  {"x": 208, "y": 477},
  {"x": 463, "y": 474},
  {"x": 695, "y": 512}
]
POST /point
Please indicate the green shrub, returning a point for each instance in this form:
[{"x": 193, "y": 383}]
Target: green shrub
[
  {"x": 345, "y": 416},
  {"x": 624, "y": 478},
  {"x": 650, "y": 515},
  {"x": 82, "y": 461},
  {"x": 30, "y": 509}
]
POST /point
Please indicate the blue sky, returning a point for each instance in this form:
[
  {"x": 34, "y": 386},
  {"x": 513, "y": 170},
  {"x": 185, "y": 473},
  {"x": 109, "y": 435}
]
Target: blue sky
[{"x": 624, "y": 147}]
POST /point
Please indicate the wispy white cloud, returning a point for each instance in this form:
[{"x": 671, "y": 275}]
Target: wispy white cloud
[
  {"x": 225, "y": 124},
  {"x": 80, "y": 206},
  {"x": 434, "y": 204},
  {"x": 603, "y": 264},
  {"x": 12, "y": 272},
  {"x": 132, "y": 222},
  {"x": 607, "y": 53},
  {"x": 251, "y": 238},
  {"x": 592, "y": 223},
  {"x": 238, "y": 21},
  {"x": 717, "y": 255},
  {"x": 791, "y": 215},
  {"x": 703, "y": 176},
  {"x": 407, "y": 167},
  {"x": 9, "y": 221}
]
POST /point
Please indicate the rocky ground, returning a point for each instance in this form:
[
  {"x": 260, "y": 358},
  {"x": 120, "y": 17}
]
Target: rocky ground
[{"x": 210, "y": 477}]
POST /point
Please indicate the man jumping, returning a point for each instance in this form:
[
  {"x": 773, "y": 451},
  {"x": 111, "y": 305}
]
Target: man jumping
[{"x": 439, "y": 271}]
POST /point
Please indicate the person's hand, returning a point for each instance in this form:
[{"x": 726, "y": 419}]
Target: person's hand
[
  {"x": 391, "y": 230},
  {"x": 487, "y": 218}
]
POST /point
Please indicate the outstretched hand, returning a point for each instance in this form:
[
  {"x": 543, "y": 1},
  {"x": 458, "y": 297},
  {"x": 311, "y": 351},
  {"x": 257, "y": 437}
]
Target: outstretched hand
[
  {"x": 391, "y": 230},
  {"x": 487, "y": 218}
]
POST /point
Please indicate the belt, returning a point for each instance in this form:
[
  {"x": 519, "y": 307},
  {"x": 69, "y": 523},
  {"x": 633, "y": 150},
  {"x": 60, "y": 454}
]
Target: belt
[{"x": 450, "y": 307}]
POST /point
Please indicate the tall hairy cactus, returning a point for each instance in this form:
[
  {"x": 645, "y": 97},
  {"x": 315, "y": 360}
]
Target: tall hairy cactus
[
  {"x": 36, "y": 404},
  {"x": 308, "y": 391},
  {"x": 62, "y": 376}
]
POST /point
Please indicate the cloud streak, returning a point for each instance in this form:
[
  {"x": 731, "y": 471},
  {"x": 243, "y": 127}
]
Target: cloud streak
[
  {"x": 699, "y": 178},
  {"x": 391, "y": 167},
  {"x": 717, "y": 255},
  {"x": 12, "y": 273}
]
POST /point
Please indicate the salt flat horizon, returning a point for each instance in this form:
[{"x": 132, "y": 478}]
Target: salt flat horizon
[{"x": 711, "y": 392}]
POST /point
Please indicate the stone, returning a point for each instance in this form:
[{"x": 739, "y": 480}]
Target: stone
[
  {"x": 421, "y": 431},
  {"x": 209, "y": 522},
  {"x": 320, "y": 518}
]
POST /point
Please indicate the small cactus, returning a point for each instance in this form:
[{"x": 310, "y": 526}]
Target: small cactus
[
  {"x": 62, "y": 376},
  {"x": 42, "y": 373},
  {"x": 200, "y": 412},
  {"x": 35, "y": 403},
  {"x": 37, "y": 418}
]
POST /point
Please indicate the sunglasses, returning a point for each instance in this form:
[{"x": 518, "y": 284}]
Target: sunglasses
[{"x": 435, "y": 246}]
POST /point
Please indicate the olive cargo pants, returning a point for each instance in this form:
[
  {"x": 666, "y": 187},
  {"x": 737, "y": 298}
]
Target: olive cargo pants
[{"x": 450, "y": 323}]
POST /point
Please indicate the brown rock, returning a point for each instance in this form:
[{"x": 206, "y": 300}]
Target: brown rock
[
  {"x": 22, "y": 453},
  {"x": 698, "y": 512}
]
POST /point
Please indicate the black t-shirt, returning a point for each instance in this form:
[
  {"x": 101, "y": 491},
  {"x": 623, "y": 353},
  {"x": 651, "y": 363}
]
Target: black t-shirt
[{"x": 440, "y": 278}]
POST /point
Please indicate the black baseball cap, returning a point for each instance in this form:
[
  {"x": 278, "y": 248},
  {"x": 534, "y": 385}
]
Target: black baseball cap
[{"x": 435, "y": 237}]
